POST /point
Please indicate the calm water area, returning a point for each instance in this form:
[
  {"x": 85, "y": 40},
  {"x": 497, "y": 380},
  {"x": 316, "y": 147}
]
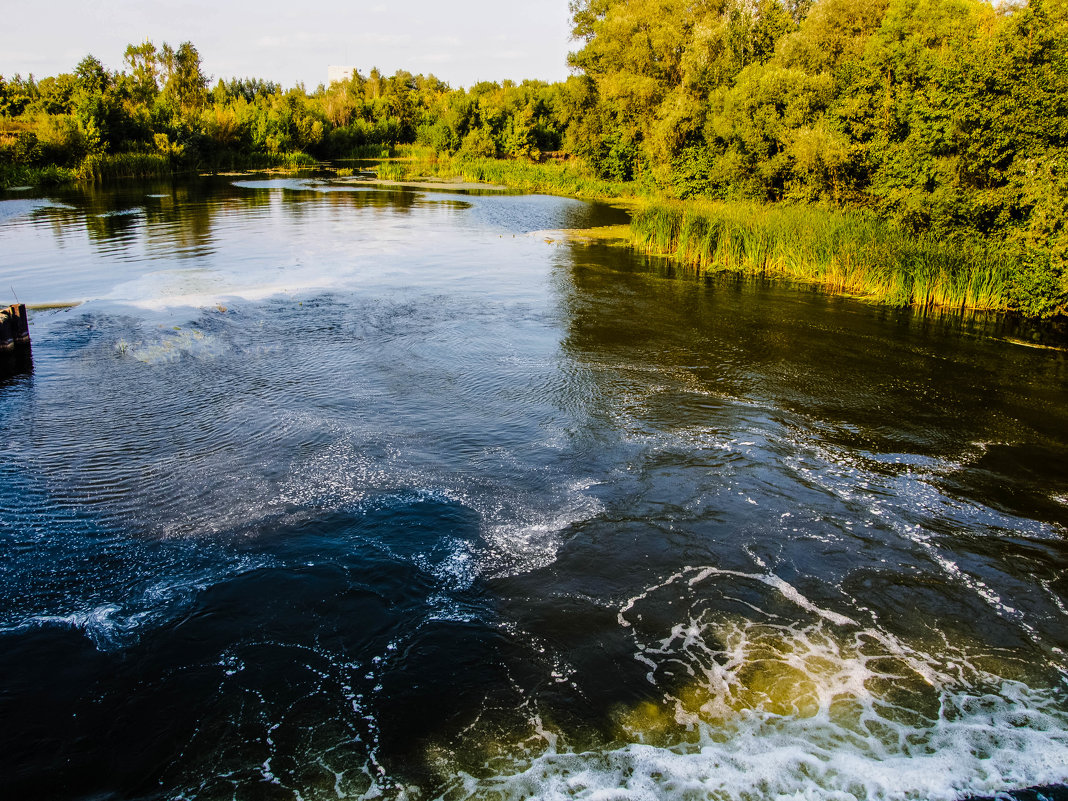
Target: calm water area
[{"x": 327, "y": 490}]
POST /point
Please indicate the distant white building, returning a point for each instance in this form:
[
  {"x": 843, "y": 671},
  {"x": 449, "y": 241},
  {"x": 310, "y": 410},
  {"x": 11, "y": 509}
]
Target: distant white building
[{"x": 335, "y": 74}]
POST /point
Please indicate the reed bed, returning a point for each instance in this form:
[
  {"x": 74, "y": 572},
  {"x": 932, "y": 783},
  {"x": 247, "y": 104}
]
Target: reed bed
[
  {"x": 108, "y": 166},
  {"x": 295, "y": 160},
  {"x": 846, "y": 252},
  {"x": 392, "y": 171},
  {"x": 22, "y": 175},
  {"x": 102, "y": 167},
  {"x": 554, "y": 178}
]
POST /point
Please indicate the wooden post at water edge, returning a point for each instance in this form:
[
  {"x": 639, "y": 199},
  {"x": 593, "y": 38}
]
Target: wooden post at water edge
[{"x": 14, "y": 327}]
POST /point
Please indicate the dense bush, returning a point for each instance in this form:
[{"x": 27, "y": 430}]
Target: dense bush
[{"x": 947, "y": 117}]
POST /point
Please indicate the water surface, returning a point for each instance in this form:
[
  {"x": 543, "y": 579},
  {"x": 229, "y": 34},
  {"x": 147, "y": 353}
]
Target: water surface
[{"x": 328, "y": 491}]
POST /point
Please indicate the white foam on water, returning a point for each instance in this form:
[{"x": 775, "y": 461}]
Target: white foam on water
[
  {"x": 167, "y": 346},
  {"x": 201, "y": 287},
  {"x": 902, "y": 487},
  {"x": 533, "y": 539},
  {"x": 113, "y": 625},
  {"x": 104, "y": 624},
  {"x": 518, "y": 530},
  {"x": 338, "y": 751},
  {"x": 754, "y": 766},
  {"x": 1047, "y": 587},
  {"x": 205, "y": 287},
  {"x": 904, "y": 492},
  {"x": 701, "y": 574},
  {"x": 121, "y": 213},
  {"x": 812, "y": 705}
]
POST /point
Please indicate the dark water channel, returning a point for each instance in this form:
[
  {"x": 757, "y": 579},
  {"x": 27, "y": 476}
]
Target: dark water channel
[{"x": 328, "y": 491}]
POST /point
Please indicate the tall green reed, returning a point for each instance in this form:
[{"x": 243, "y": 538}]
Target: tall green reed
[{"x": 846, "y": 252}]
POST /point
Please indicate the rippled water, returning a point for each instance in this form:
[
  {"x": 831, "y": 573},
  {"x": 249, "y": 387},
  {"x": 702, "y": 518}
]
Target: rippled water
[{"x": 335, "y": 492}]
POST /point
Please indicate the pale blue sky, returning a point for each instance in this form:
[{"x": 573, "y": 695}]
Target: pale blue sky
[{"x": 460, "y": 41}]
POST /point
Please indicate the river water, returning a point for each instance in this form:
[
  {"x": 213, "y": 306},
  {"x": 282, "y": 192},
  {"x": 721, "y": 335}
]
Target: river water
[{"x": 331, "y": 491}]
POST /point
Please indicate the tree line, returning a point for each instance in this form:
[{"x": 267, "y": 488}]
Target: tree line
[
  {"x": 161, "y": 103},
  {"x": 947, "y": 117}
]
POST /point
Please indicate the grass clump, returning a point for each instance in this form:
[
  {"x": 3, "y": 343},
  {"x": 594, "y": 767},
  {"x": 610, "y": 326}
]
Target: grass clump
[
  {"x": 296, "y": 160},
  {"x": 102, "y": 167},
  {"x": 25, "y": 175},
  {"x": 110, "y": 166},
  {"x": 392, "y": 171},
  {"x": 846, "y": 252}
]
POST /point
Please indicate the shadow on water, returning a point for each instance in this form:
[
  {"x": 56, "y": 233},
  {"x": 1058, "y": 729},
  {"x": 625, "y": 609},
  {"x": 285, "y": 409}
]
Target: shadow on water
[
  {"x": 1050, "y": 793},
  {"x": 14, "y": 365},
  {"x": 957, "y": 386}
]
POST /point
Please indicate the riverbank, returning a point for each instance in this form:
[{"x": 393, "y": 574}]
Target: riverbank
[
  {"x": 844, "y": 251},
  {"x": 568, "y": 178},
  {"x": 100, "y": 167}
]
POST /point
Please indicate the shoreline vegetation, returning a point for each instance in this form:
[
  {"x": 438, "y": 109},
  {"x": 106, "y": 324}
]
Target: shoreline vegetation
[
  {"x": 844, "y": 251},
  {"x": 104, "y": 167},
  {"x": 909, "y": 152}
]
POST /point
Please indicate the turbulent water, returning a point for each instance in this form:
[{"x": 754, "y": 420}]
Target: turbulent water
[{"x": 328, "y": 491}]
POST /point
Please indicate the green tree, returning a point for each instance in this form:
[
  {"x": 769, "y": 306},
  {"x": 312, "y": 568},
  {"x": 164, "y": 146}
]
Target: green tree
[
  {"x": 186, "y": 83},
  {"x": 144, "y": 63},
  {"x": 92, "y": 78},
  {"x": 833, "y": 32},
  {"x": 655, "y": 67},
  {"x": 55, "y": 95}
]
